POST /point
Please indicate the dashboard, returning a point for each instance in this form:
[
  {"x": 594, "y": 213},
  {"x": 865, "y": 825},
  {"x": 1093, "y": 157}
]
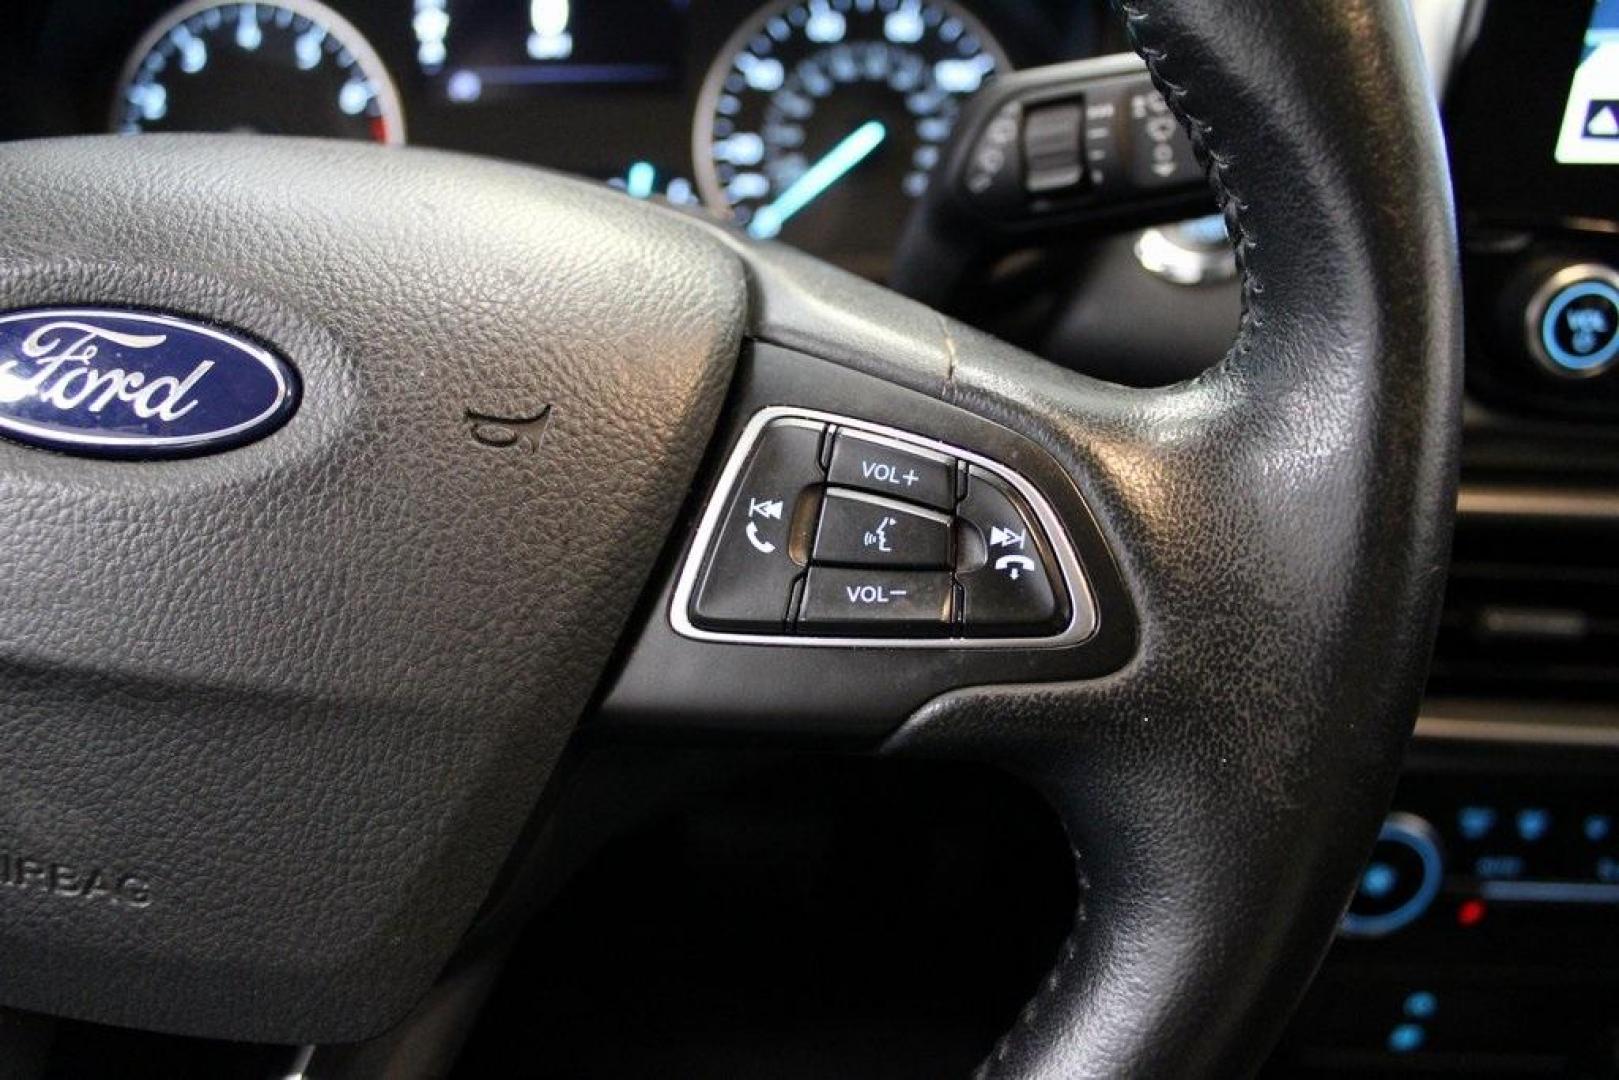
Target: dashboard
[
  {"x": 818, "y": 121},
  {"x": 1483, "y": 938}
]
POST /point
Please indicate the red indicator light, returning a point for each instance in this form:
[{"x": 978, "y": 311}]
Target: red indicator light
[
  {"x": 379, "y": 129},
  {"x": 1470, "y": 913}
]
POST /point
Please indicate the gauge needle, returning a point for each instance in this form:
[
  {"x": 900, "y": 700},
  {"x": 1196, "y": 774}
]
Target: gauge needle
[{"x": 854, "y": 148}]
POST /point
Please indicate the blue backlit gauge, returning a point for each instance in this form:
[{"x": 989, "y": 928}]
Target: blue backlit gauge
[
  {"x": 643, "y": 180},
  {"x": 293, "y": 67},
  {"x": 821, "y": 120}
]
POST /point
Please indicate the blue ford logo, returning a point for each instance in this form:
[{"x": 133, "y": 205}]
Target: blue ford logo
[{"x": 112, "y": 383}]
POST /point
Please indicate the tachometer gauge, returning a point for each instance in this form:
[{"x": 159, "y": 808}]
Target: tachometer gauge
[
  {"x": 822, "y": 119},
  {"x": 293, "y": 67}
]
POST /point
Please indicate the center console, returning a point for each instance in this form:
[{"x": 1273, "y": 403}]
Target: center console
[{"x": 1484, "y": 936}]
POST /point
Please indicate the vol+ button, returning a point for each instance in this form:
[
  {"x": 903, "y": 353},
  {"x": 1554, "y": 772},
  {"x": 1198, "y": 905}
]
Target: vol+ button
[{"x": 872, "y": 464}]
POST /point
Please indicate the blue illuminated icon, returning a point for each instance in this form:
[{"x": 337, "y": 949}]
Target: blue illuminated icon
[
  {"x": 639, "y": 179},
  {"x": 1498, "y": 866},
  {"x": 355, "y": 95},
  {"x": 1410, "y": 894},
  {"x": 1475, "y": 821},
  {"x": 824, "y": 25},
  {"x": 1378, "y": 881},
  {"x": 249, "y": 35},
  {"x": 854, "y": 148},
  {"x": 1580, "y": 329},
  {"x": 1405, "y": 1038},
  {"x": 1597, "y": 827},
  {"x": 1421, "y": 1005},
  {"x": 1533, "y": 822},
  {"x": 1209, "y": 230},
  {"x": 905, "y": 26},
  {"x": 464, "y": 86},
  {"x": 962, "y": 76},
  {"x": 550, "y": 39},
  {"x": 193, "y": 52},
  {"x": 306, "y": 50}
]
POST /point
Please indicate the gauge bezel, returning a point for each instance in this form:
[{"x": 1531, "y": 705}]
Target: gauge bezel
[
  {"x": 366, "y": 57},
  {"x": 704, "y": 174}
]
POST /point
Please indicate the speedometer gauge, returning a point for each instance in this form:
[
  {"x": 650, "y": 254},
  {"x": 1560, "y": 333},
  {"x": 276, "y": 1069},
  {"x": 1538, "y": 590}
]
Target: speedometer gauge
[
  {"x": 293, "y": 67},
  {"x": 822, "y": 119}
]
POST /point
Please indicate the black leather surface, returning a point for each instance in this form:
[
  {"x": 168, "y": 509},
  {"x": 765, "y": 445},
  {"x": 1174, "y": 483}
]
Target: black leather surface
[
  {"x": 1282, "y": 523},
  {"x": 308, "y": 690}
]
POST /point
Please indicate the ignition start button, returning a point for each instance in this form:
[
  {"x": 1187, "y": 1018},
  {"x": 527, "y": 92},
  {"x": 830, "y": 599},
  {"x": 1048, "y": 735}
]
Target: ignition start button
[{"x": 1573, "y": 326}]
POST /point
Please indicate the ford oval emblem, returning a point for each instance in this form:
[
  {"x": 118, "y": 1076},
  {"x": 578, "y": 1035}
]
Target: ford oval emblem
[{"x": 112, "y": 383}]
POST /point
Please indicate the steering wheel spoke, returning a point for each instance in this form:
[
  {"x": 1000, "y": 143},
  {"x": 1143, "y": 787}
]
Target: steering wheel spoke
[{"x": 862, "y": 528}]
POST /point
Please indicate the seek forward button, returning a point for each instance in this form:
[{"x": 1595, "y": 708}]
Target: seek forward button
[
  {"x": 1007, "y": 582},
  {"x": 877, "y": 603}
]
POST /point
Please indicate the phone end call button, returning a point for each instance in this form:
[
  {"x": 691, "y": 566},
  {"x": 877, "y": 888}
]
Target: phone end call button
[{"x": 1005, "y": 564}]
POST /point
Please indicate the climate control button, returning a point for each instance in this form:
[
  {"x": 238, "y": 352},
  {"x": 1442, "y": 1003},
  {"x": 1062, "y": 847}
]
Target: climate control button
[
  {"x": 1573, "y": 321},
  {"x": 1399, "y": 882}
]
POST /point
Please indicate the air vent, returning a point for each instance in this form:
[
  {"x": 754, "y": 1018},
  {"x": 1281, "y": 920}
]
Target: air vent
[{"x": 1531, "y": 610}]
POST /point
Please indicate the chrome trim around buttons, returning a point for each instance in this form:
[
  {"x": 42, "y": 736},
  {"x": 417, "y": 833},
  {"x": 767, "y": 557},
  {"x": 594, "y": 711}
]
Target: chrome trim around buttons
[{"x": 1082, "y": 621}]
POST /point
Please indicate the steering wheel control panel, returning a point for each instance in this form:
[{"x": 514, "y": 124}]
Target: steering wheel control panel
[
  {"x": 1102, "y": 134},
  {"x": 933, "y": 547},
  {"x": 830, "y": 530}
]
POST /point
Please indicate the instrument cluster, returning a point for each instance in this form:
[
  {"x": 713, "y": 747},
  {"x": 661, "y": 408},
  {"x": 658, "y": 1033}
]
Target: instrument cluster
[{"x": 817, "y": 121}]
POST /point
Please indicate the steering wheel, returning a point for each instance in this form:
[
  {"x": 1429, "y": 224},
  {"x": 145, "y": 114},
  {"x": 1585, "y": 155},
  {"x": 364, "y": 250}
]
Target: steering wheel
[{"x": 274, "y": 718}]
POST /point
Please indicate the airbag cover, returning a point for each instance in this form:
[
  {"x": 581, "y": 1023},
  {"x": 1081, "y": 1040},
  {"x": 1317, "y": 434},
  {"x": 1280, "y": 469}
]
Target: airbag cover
[{"x": 271, "y": 719}]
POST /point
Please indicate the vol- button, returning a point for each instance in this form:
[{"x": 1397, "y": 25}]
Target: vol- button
[{"x": 880, "y": 602}]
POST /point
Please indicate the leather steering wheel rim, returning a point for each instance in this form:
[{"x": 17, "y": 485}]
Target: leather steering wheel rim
[{"x": 1222, "y": 792}]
